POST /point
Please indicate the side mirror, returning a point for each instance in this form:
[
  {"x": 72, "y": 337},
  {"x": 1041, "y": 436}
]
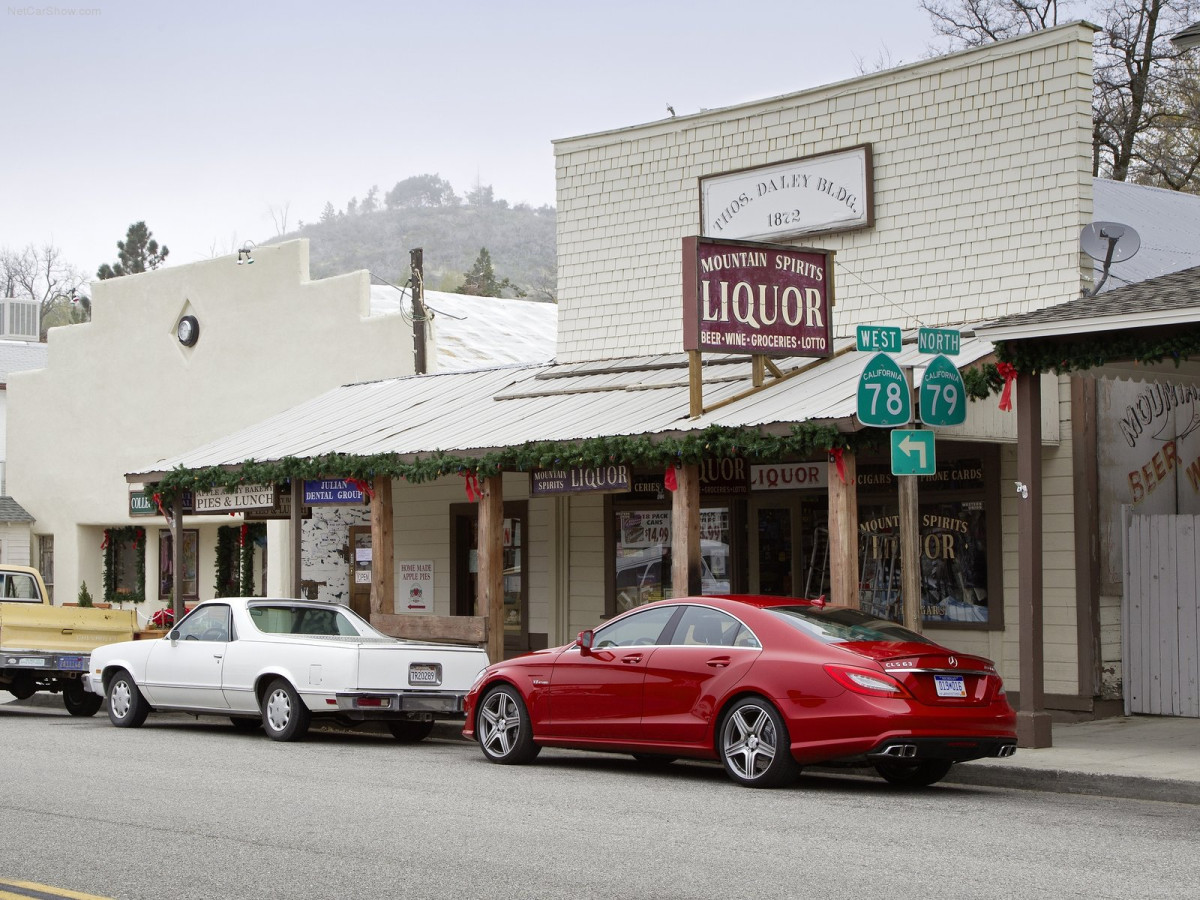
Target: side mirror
[
  {"x": 584, "y": 641},
  {"x": 174, "y": 635}
]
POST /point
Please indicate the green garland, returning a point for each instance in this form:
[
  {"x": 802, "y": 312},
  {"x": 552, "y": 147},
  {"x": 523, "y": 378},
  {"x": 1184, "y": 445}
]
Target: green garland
[
  {"x": 232, "y": 547},
  {"x": 715, "y": 442},
  {"x": 1063, "y": 356},
  {"x": 114, "y": 538}
]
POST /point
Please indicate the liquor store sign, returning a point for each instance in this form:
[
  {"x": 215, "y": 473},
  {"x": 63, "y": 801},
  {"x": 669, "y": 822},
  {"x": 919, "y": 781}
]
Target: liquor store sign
[{"x": 743, "y": 297}]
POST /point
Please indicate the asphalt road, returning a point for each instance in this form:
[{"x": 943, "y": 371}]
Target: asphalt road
[{"x": 182, "y": 808}]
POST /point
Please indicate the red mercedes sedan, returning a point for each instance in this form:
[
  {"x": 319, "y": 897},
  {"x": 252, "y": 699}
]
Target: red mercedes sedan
[{"x": 764, "y": 684}]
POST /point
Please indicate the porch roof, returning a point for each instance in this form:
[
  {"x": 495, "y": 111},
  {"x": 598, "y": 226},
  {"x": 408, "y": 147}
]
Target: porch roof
[{"x": 476, "y": 412}]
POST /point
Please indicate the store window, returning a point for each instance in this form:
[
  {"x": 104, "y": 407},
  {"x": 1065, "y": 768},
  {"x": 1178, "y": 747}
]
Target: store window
[
  {"x": 191, "y": 564},
  {"x": 642, "y": 558},
  {"x": 465, "y": 540},
  {"x": 957, "y": 546}
]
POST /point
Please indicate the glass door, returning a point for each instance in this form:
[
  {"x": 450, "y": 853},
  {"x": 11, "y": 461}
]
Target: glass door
[{"x": 775, "y": 546}]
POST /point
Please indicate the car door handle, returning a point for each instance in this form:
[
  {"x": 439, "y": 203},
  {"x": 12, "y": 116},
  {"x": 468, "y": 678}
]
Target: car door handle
[
  {"x": 719, "y": 662},
  {"x": 635, "y": 658},
  {"x": 216, "y": 656}
]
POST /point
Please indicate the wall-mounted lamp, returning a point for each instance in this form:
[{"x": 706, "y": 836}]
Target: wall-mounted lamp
[
  {"x": 1022, "y": 490},
  {"x": 244, "y": 254},
  {"x": 188, "y": 331}
]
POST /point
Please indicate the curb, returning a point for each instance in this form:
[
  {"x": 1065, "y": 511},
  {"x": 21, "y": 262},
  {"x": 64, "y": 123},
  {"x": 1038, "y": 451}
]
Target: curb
[{"x": 1063, "y": 781}]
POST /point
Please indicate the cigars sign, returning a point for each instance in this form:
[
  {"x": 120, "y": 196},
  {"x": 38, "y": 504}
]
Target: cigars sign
[{"x": 744, "y": 297}]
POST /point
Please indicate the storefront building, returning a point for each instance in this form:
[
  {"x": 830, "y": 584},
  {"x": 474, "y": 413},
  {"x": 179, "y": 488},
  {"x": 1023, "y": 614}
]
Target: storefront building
[{"x": 656, "y": 450}]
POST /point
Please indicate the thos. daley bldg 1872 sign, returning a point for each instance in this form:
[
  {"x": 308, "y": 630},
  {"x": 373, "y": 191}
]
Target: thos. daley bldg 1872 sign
[{"x": 742, "y": 297}]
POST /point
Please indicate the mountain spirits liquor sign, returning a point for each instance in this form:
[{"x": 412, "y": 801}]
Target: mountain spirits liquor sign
[{"x": 768, "y": 299}]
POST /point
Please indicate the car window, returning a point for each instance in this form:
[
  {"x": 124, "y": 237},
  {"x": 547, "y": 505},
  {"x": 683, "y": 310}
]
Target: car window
[
  {"x": 641, "y": 628},
  {"x": 838, "y": 624},
  {"x": 18, "y": 586},
  {"x": 702, "y": 626},
  {"x": 307, "y": 620},
  {"x": 206, "y": 623}
]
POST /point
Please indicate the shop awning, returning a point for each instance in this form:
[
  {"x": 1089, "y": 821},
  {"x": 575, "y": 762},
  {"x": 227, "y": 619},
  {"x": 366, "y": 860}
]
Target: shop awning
[{"x": 476, "y": 412}]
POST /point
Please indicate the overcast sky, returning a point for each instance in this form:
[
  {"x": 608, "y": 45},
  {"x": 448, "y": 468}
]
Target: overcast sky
[{"x": 200, "y": 118}]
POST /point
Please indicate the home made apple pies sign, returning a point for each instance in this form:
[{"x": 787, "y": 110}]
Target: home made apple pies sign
[{"x": 745, "y": 297}]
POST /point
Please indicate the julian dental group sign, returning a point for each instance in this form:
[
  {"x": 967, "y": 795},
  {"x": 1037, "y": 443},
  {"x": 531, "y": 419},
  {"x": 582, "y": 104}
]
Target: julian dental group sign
[{"x": 743, "y": 297}]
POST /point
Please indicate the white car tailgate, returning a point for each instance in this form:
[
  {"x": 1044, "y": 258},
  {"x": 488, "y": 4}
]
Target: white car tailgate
[{"x": 415, "y": 666}]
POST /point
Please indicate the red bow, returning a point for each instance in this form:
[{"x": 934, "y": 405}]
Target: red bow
[
  {"x": 1008, "y": 372},
  {"x": 104, "y": 543},
  {"x": 363, "y": 487},
  {"x": 835, "y": 454},
  {"x": 242, "y": 535},
  {"x": 670, "y": 479},
  {"x": 471, "y": 483}
]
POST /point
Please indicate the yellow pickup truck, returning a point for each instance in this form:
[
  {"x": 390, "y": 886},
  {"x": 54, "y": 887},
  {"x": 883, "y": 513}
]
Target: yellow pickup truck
[{"x": 45, "y": 647}]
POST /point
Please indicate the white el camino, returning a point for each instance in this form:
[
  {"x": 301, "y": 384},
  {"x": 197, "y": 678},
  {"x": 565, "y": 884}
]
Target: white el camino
[{"x": 279, "y": 663}]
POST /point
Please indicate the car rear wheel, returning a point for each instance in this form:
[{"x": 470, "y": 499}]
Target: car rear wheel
[
  {"x": 920, "y": 774},
  {"x": 127, "y": 708},
  {"x": 503, "y": 728},
  {"x": 754, "y": 745},
  {"x": 409, "y": 731},
  {"x": 79, "y": 701},
  {"x": 284, "y": 715}
]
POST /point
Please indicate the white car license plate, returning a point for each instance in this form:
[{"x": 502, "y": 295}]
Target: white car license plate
[
  {"x": 424, "y": 673},
  {"x": 950, "y": 685}
]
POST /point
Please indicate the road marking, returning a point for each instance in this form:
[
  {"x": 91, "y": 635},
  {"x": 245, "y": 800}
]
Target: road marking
[{"x": 23, "y": 890}]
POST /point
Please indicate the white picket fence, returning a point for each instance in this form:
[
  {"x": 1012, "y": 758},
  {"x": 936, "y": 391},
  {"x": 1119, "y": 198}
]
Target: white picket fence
[{"x": 1160, "y": 615}]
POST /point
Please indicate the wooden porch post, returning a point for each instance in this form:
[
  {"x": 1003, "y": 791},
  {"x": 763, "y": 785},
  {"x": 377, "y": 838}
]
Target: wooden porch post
[
  {"x": 177, "y": 557},
  {"x": 297, "y": 523},
  {"x": 1033, "y": 722},
  {"x": 685, "y": 532},
  {"x": 843, "y": 532},
  {"x": 383, "y": 551},
  {"x": 489, "y": 597}
]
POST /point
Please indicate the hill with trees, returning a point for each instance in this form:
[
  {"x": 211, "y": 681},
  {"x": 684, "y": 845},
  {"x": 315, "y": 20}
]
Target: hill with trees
[{"x": 377, "y": 232}]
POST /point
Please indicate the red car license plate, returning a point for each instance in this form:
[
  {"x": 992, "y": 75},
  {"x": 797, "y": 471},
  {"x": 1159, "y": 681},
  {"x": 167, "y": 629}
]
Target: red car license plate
[{"x": 950, "y": 685}]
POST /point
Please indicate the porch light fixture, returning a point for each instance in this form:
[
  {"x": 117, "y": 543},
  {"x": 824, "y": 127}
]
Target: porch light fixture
[
  {"x": 188, "y": 331},
  {"x": 244, "y": 254}
]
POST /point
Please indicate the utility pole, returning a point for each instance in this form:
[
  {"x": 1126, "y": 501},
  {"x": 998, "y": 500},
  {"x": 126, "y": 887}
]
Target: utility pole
[{"x": 416, "y": 262}]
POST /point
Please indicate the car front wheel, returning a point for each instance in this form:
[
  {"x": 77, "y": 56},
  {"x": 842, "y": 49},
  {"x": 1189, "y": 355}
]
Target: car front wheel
[
  {"x": 503, "y": 727},
  {"x": 754, "y": 745},
  {"x": 127, "y": 708},
  {"x": 920, "y": 774},
  {"x": 284, "y": 715}
]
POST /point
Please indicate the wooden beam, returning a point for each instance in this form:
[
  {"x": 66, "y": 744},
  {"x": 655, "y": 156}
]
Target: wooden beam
[
  {"x": 910, "y": 552},
  {"x": 685, "y": 532},
  {"x": 383, "y": 549},
  {"x": 757, "y": 369},
  {"x": 1086, "y": 493},
  {"x": 695, "y": 384},
  {"x": 452, "y": 629},
  {"x": 489, "y": 590},
  {"x": 1033, "y": 721},
  {"x": 177, "y": 557},
  {"x": 297, "y": 536},
  {"x": 843, "y": 532}
]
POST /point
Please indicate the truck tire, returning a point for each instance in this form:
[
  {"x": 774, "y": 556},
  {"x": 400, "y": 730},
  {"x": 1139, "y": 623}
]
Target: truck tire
[
  {"x": 78, "y": 701},
  {"x": 127, "y": 708}
]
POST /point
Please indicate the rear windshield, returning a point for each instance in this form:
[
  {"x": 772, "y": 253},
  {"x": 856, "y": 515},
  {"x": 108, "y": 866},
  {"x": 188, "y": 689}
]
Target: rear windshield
[
  {"x": 303, "y": 620},
  {"x": 839, "y": 625}
]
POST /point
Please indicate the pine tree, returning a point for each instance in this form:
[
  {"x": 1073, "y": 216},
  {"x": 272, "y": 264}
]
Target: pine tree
[
  {"x": 137, "y": 253},
  {"x": 481, "y": 280}
]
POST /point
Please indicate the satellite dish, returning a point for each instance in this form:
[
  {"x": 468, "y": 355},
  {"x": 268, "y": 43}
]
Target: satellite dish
[{"x": 1108, "y": 243}]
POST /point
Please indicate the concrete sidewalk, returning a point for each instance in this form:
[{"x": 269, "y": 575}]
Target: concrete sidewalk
[{"x": 1137, "y": 758}]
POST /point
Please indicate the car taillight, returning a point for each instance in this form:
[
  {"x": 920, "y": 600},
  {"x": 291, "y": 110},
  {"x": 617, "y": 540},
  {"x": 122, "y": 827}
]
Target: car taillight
[{"x": 864, "y": 681}]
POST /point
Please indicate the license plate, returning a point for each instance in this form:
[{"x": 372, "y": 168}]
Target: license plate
[
  {"x": 424, "y": 673},
  {"x": 77, "y": 663},
  {"x": 950, "y": 685},
  {"x": 34, "y": 661}
]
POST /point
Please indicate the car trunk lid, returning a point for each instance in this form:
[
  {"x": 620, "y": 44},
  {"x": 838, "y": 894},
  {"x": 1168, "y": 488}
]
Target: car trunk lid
[{"x": 934, "y": 676}]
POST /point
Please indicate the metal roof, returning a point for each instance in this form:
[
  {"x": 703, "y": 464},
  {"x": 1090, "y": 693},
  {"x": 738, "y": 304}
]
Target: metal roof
[
  {"x": 472, "y": 413},
  {"x": 1166, "y": 221}
]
